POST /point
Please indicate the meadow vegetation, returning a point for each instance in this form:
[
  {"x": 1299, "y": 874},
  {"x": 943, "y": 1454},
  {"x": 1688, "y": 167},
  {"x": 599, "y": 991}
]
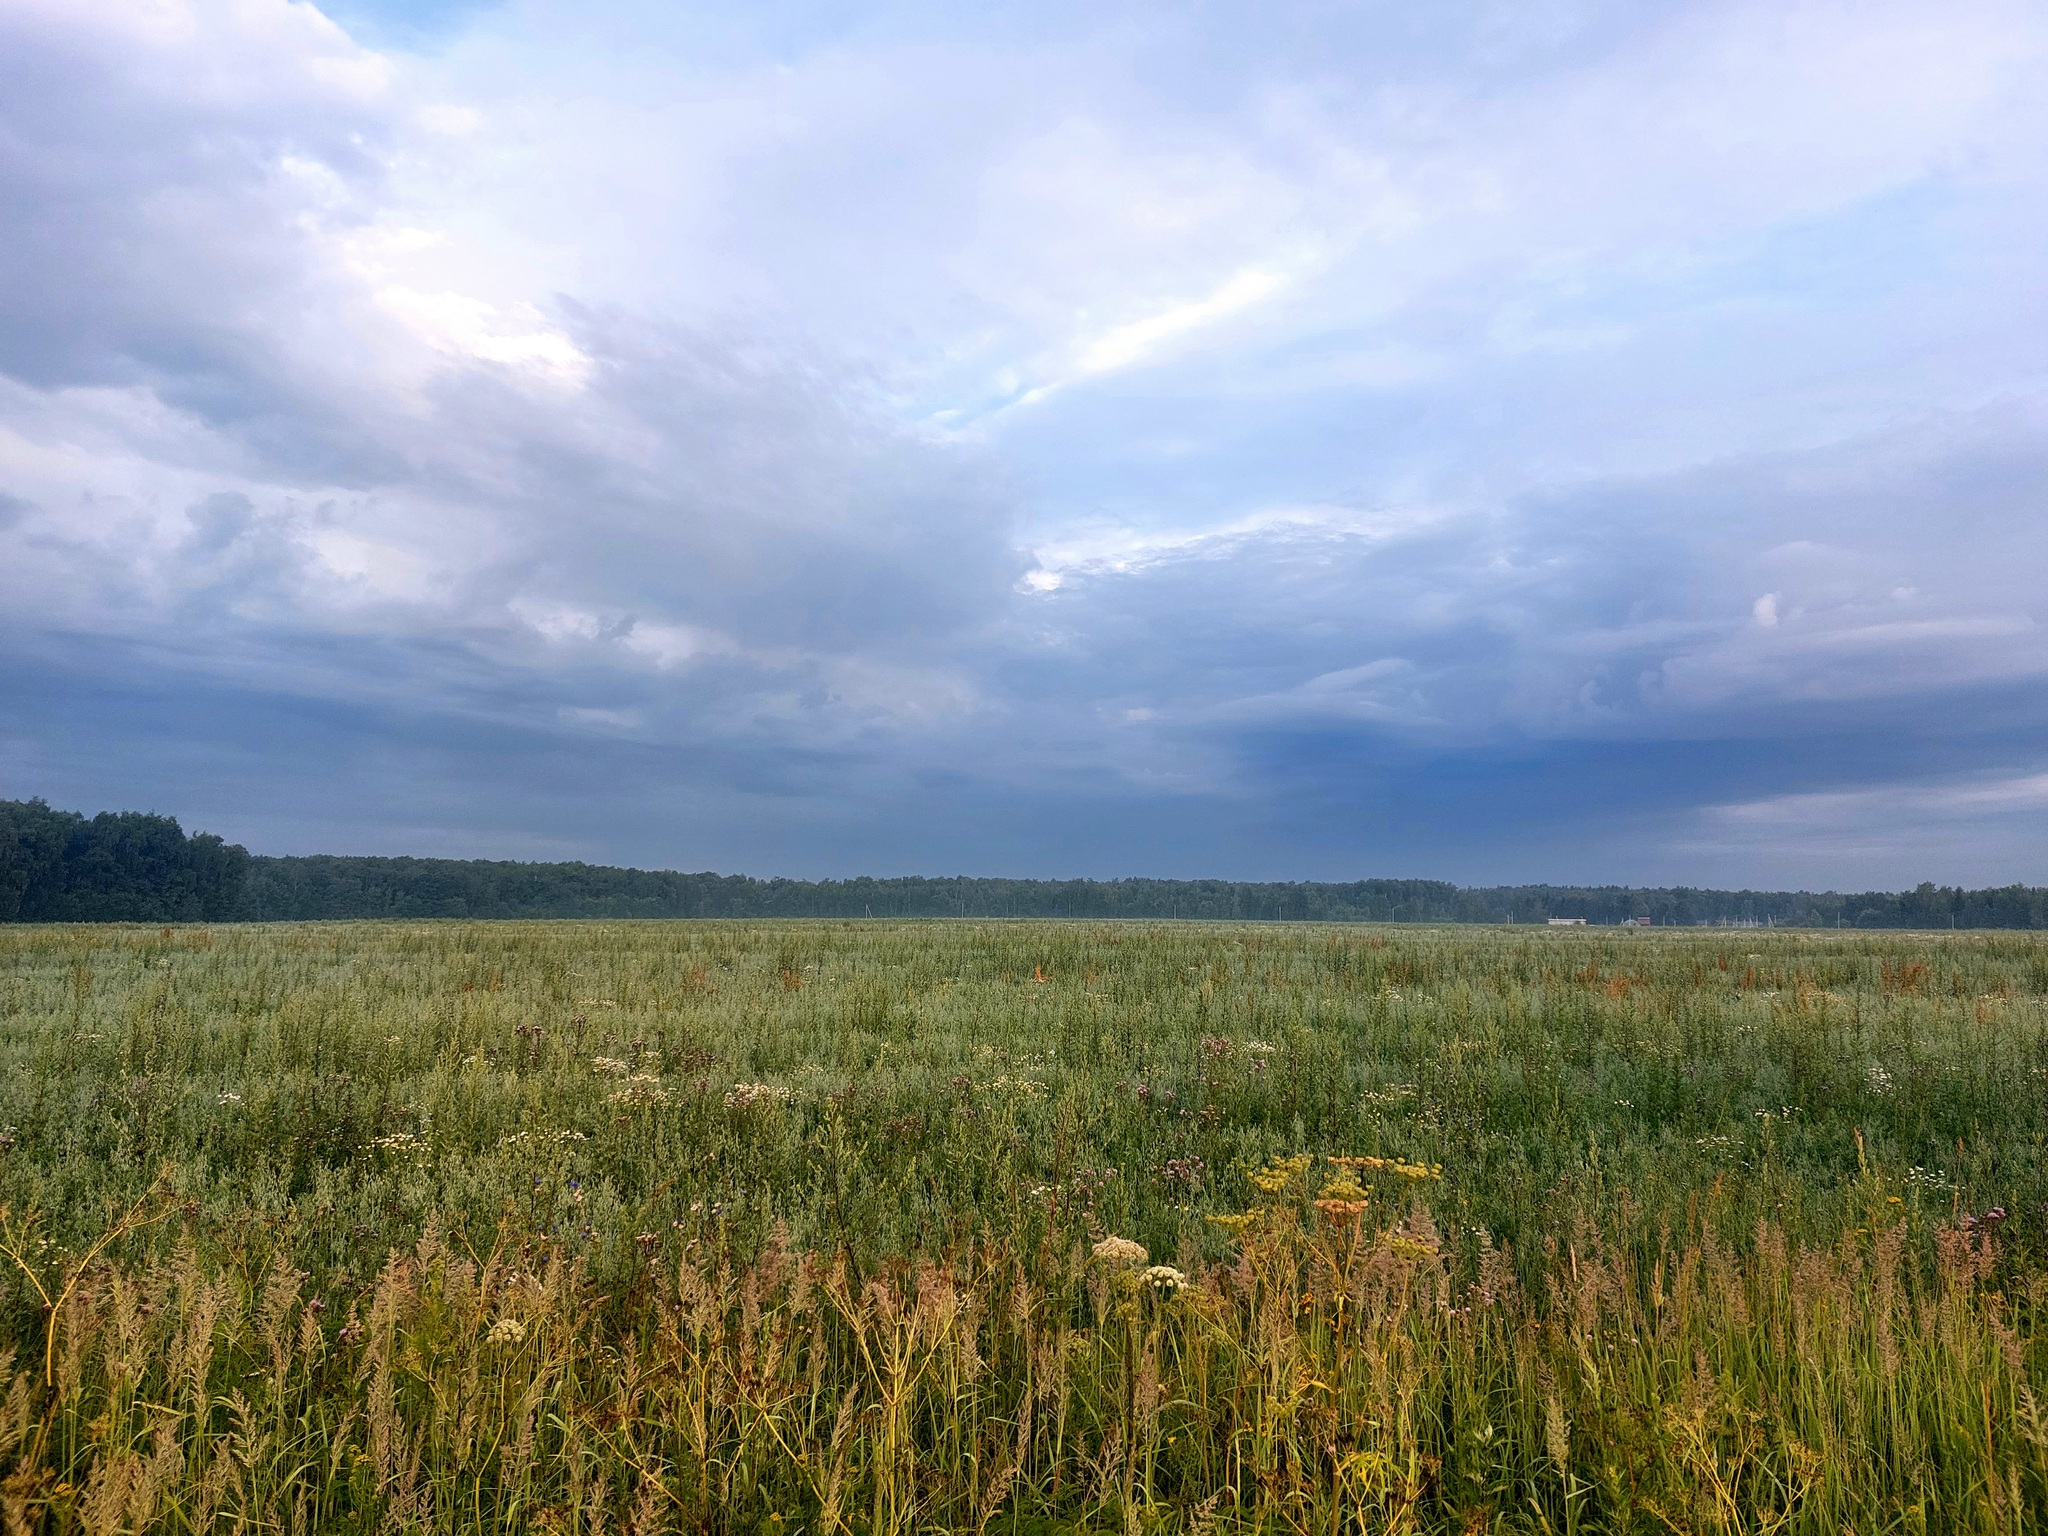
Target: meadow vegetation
[{"x": 1021, "y": 1227}]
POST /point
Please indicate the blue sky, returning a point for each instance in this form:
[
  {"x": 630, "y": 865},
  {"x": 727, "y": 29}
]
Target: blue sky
[{"x": 1580, "y": 441}]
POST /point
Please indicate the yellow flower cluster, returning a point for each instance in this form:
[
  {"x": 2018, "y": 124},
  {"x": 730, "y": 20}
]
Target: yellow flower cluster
[
  {"x": 1395, "y": 1165},
  {"x": 1343, "y": 1197},
  {"x": 1282, "y": 1173}
]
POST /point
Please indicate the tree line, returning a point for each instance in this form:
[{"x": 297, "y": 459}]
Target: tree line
[
  {"x": 118, "y": 866},
  {"x": 326, "y": 886},
  {"x": 59, "y": 866}
]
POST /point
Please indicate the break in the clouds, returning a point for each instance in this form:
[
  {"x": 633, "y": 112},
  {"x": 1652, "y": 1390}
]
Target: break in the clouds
[{"x": 1576, "y": 441}]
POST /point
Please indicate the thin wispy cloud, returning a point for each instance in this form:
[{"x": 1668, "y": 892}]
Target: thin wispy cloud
[{"x": 1510, "y": 442}]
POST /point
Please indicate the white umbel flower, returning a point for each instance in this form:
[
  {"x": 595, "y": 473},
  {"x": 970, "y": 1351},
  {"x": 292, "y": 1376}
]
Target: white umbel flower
[{"x": 1121, "y": 1252}]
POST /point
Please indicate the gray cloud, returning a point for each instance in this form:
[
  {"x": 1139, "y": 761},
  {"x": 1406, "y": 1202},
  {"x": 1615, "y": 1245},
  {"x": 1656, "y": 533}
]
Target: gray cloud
[
  {"x": 1094, "y": 487},
  {"x": 153, "y": 173}
]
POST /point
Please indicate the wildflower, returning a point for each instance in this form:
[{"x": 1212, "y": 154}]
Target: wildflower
[
  {"x": 229, "y": 1097},
  {"x": 521, "y": 1138},
  {"x": 1394, "y": 1165},
  {"x": 755, "y": 1095},
  {"x": 1121, "y": 1252},
  {"x": 1164, "y": 1278},
  {"x": 1410, "y": 1248},
  {"x": 1392, "y": 1094},
  {"x": 507, "y": 1330},
  {"x": 641, "y": 1088},
  {"x": 1282, "y": 1172},
  {"x": 1343, "y": 1197},
  {"x": 611, "y": 1066}
]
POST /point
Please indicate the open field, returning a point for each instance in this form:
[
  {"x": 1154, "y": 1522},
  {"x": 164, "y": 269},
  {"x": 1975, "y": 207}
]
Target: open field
[{"x": 805, "y": 1226}]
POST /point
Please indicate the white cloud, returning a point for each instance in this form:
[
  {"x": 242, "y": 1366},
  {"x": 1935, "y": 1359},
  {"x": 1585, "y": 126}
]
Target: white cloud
[
  {"x": 469, "y": 327},
  {"x": 1119, "y": 548},
  {"x": 1133, "y": 342},
  {"x": 1884, "y": 807},
  {"x": 1984, "y": 828},
  {"x": 382, "y": 570},
  {"x": 670, "y": 645}
]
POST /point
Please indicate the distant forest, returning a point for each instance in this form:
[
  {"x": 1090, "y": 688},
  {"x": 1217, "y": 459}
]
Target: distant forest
[
  {"x": 119, "y": 866},
  {"x": 58, "y": 866}
]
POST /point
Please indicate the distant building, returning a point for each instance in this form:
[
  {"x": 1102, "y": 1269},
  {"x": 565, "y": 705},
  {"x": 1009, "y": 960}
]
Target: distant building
[
  {"x": 1567, "y": 922},
  {"x": 1636, "y": 922}
]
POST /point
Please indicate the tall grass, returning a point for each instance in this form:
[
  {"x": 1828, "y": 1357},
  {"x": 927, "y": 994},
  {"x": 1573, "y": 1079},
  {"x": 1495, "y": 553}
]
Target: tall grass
[{"x": 878, "y": 1227}]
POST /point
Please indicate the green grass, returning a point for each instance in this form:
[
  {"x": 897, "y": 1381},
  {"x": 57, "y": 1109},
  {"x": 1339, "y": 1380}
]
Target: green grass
[{"x": 1706, "y": 1251}]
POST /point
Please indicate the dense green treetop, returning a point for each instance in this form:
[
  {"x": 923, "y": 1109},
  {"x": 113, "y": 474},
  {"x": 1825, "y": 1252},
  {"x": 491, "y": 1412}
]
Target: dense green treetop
[{"x": 127, "y": 866}]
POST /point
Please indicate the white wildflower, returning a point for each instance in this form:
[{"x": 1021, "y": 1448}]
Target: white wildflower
[
  {"x": 1121, "y": 1252},
  {"x": 1164, "y": 1278},
  {"x": 507, "y": 1330},
  {"x": 522, "y": 1138},
  {"x": 641, "y": 1088}
]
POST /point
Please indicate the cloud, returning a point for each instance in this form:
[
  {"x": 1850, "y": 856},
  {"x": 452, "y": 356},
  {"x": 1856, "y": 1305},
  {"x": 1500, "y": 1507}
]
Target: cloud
[
  {"x": 1861, "y": 809},
  {"x": 1500, "y": 440},
  {"x": 1875, "y": 829}
]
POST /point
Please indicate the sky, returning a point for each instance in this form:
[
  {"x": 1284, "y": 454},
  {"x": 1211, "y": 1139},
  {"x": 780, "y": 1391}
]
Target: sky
[{"x": 1571, "y": 440}]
